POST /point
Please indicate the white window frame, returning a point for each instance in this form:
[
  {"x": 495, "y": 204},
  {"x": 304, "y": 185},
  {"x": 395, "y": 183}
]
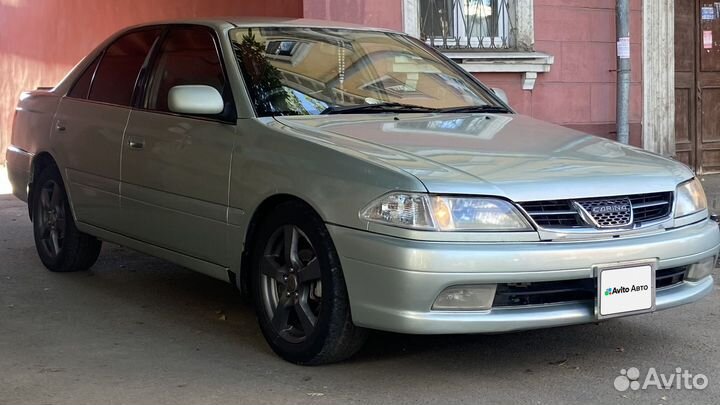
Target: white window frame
[{"x": 521, "y": 59}]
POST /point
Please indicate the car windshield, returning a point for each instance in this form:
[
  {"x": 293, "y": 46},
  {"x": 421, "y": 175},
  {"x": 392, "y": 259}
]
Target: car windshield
[{"x": 310, "y": 71}]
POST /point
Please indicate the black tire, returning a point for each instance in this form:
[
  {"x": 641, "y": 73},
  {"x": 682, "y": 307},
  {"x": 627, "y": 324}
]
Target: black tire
[
  {"x": 68, "y": 249},
  {"x": 333, "y": 336}
]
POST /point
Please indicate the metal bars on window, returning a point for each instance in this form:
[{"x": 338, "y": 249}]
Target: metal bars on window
[{"x": 468, "y": 24}]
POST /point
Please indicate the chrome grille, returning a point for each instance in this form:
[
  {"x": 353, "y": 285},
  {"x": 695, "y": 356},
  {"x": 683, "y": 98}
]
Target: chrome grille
[
  {"x": 648, "y": 207},
  {"x": 563, "y": 214},
  {"x": 607, "y": 212}
]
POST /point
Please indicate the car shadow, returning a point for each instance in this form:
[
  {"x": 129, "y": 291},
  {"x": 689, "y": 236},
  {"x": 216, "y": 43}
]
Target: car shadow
[{"x": 216, "y": 309}]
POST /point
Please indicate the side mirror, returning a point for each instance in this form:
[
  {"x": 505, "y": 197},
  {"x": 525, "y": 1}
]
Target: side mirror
[
  {"x": 501, "y": 95},
  {"x": 195, "y": 99}
]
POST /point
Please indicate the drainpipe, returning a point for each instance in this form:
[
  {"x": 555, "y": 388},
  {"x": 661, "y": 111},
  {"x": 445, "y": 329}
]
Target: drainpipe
[{"x": 622, "y": 22}]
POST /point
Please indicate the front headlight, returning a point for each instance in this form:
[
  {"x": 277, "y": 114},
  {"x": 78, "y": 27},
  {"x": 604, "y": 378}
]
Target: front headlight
[
  {"x": 445, "y": 213},
  {"x": 689, "y": 198}
]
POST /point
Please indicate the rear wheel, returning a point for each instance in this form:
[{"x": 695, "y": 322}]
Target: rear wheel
[
  {"x": 61, "y": 247},
  {"x": 299, "y": 289}
]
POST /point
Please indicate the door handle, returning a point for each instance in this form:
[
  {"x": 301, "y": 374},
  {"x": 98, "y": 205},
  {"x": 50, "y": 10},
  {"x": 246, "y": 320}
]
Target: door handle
[
  {"x": 60, "y": 126},
  {"x": 136, "y": 143}
]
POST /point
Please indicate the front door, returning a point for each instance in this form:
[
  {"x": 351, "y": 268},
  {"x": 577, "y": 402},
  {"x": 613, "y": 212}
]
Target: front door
[
  {"x": 697, "y": 84},
  {"x": 176, "y": 167}
]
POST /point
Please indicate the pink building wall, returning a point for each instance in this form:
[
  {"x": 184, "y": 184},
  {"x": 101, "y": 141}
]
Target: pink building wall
[
  {"x": 579, "y": 91},
  {"x": 373, "y": 13}
]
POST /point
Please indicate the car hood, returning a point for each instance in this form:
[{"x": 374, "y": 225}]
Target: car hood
[{"x": 497, "y": 154}]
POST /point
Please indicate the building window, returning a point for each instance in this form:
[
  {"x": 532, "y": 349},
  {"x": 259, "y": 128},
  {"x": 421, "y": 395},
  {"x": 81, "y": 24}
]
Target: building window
[
  {"x": 468, "y": 24},
  {"x": 483, "y": 36},
  {"x": 462, "y": 25}
]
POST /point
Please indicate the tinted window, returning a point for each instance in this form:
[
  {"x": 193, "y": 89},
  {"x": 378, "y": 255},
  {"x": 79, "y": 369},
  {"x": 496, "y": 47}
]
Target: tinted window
[
  {"x": 188, "y": 56},
  {"x": 82, "y": 85},
  {"x": 115, "y": 77}
]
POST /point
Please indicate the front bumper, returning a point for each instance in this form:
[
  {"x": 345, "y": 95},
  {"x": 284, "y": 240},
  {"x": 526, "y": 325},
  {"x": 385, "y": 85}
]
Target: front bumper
[{"x": 393, "y": 282}]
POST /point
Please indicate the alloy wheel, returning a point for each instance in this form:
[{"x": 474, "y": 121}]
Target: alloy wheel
[
  {"x": 290, "y": 284},
  {"x": 51, "y": 220}
]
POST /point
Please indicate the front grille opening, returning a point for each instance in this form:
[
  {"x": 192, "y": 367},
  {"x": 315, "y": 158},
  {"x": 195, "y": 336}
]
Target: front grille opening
[
  {"x": 562, "y": 214},
  {"x": 649, "y": 207},
  {"x": 553, "y": 213},
  {"x": 544, "y": 292},
  {"x": 553, "y": 292},
  {"x": 670, "y": 277}
]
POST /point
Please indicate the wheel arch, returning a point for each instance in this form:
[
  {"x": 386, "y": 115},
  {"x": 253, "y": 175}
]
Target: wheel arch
[
  {"x": 40, "y": 162},
  {"x": 263, "y": 210}
]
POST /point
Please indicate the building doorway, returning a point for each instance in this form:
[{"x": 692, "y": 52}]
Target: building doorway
[{"x": 697, "y": 84}]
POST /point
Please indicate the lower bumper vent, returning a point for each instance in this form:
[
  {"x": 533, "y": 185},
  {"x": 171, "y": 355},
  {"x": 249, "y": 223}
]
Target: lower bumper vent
[{"x": 552, "y": 292}]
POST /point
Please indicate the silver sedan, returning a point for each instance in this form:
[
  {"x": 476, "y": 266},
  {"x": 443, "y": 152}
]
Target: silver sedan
[{"x": 349, "y": 179}]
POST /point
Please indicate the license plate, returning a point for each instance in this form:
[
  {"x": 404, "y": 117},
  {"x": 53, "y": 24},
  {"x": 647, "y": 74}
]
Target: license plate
[{"x": 625, "y": 290}]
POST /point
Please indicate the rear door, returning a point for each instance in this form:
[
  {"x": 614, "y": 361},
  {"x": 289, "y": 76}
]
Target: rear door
[
  {"x": 176, "y": 168},
  {"x": 89, "y": 126}
]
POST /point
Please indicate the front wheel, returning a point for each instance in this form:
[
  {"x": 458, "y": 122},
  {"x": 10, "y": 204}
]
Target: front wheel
[
  {"x": 299, "y": 290},
  {"x": 61, "y": 247}
]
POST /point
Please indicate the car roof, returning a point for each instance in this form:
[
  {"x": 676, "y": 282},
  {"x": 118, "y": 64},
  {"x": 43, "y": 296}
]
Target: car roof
[{"x": 242, "y": 22}]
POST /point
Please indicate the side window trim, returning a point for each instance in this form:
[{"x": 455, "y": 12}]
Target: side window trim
[
  {"x": 224, "y": 67},
  {"x": 92, "y": 79},
  {"x": 143, "y": 98},
  {"x": 95, "y": 62},
  {"x": 146, "y": 71}
]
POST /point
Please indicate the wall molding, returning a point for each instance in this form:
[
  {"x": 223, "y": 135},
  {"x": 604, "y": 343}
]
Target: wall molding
[
  {"x": 659, "y": 76},
  {"x": 411, "y": 17},
  {"x": 525, "y": 25},
  {"x": 529, "y": 64}
]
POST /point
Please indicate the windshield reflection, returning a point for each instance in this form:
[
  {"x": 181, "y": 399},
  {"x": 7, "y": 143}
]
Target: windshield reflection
[{"x": 305, "y": 71}]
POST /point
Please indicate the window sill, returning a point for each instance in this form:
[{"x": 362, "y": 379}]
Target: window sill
[{"x": 527, "y": 63}]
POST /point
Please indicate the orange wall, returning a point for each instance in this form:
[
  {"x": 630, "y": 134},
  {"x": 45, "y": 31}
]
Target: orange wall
[{"x": 40, "y": 40}]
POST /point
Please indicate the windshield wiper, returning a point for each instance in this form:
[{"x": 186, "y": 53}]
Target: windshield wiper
[
  {"x": 381, "y": 107},
  {"x": 475, "y": 109}
]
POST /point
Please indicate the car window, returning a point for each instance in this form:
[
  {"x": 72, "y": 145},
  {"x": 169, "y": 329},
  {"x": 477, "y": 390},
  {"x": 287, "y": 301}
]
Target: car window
[
  {"x": 119, "y": 68},
  {"x": 309, "y": 71},
  {"x": 188, "y": 56},
  {"x": 82, "y": 85}
]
